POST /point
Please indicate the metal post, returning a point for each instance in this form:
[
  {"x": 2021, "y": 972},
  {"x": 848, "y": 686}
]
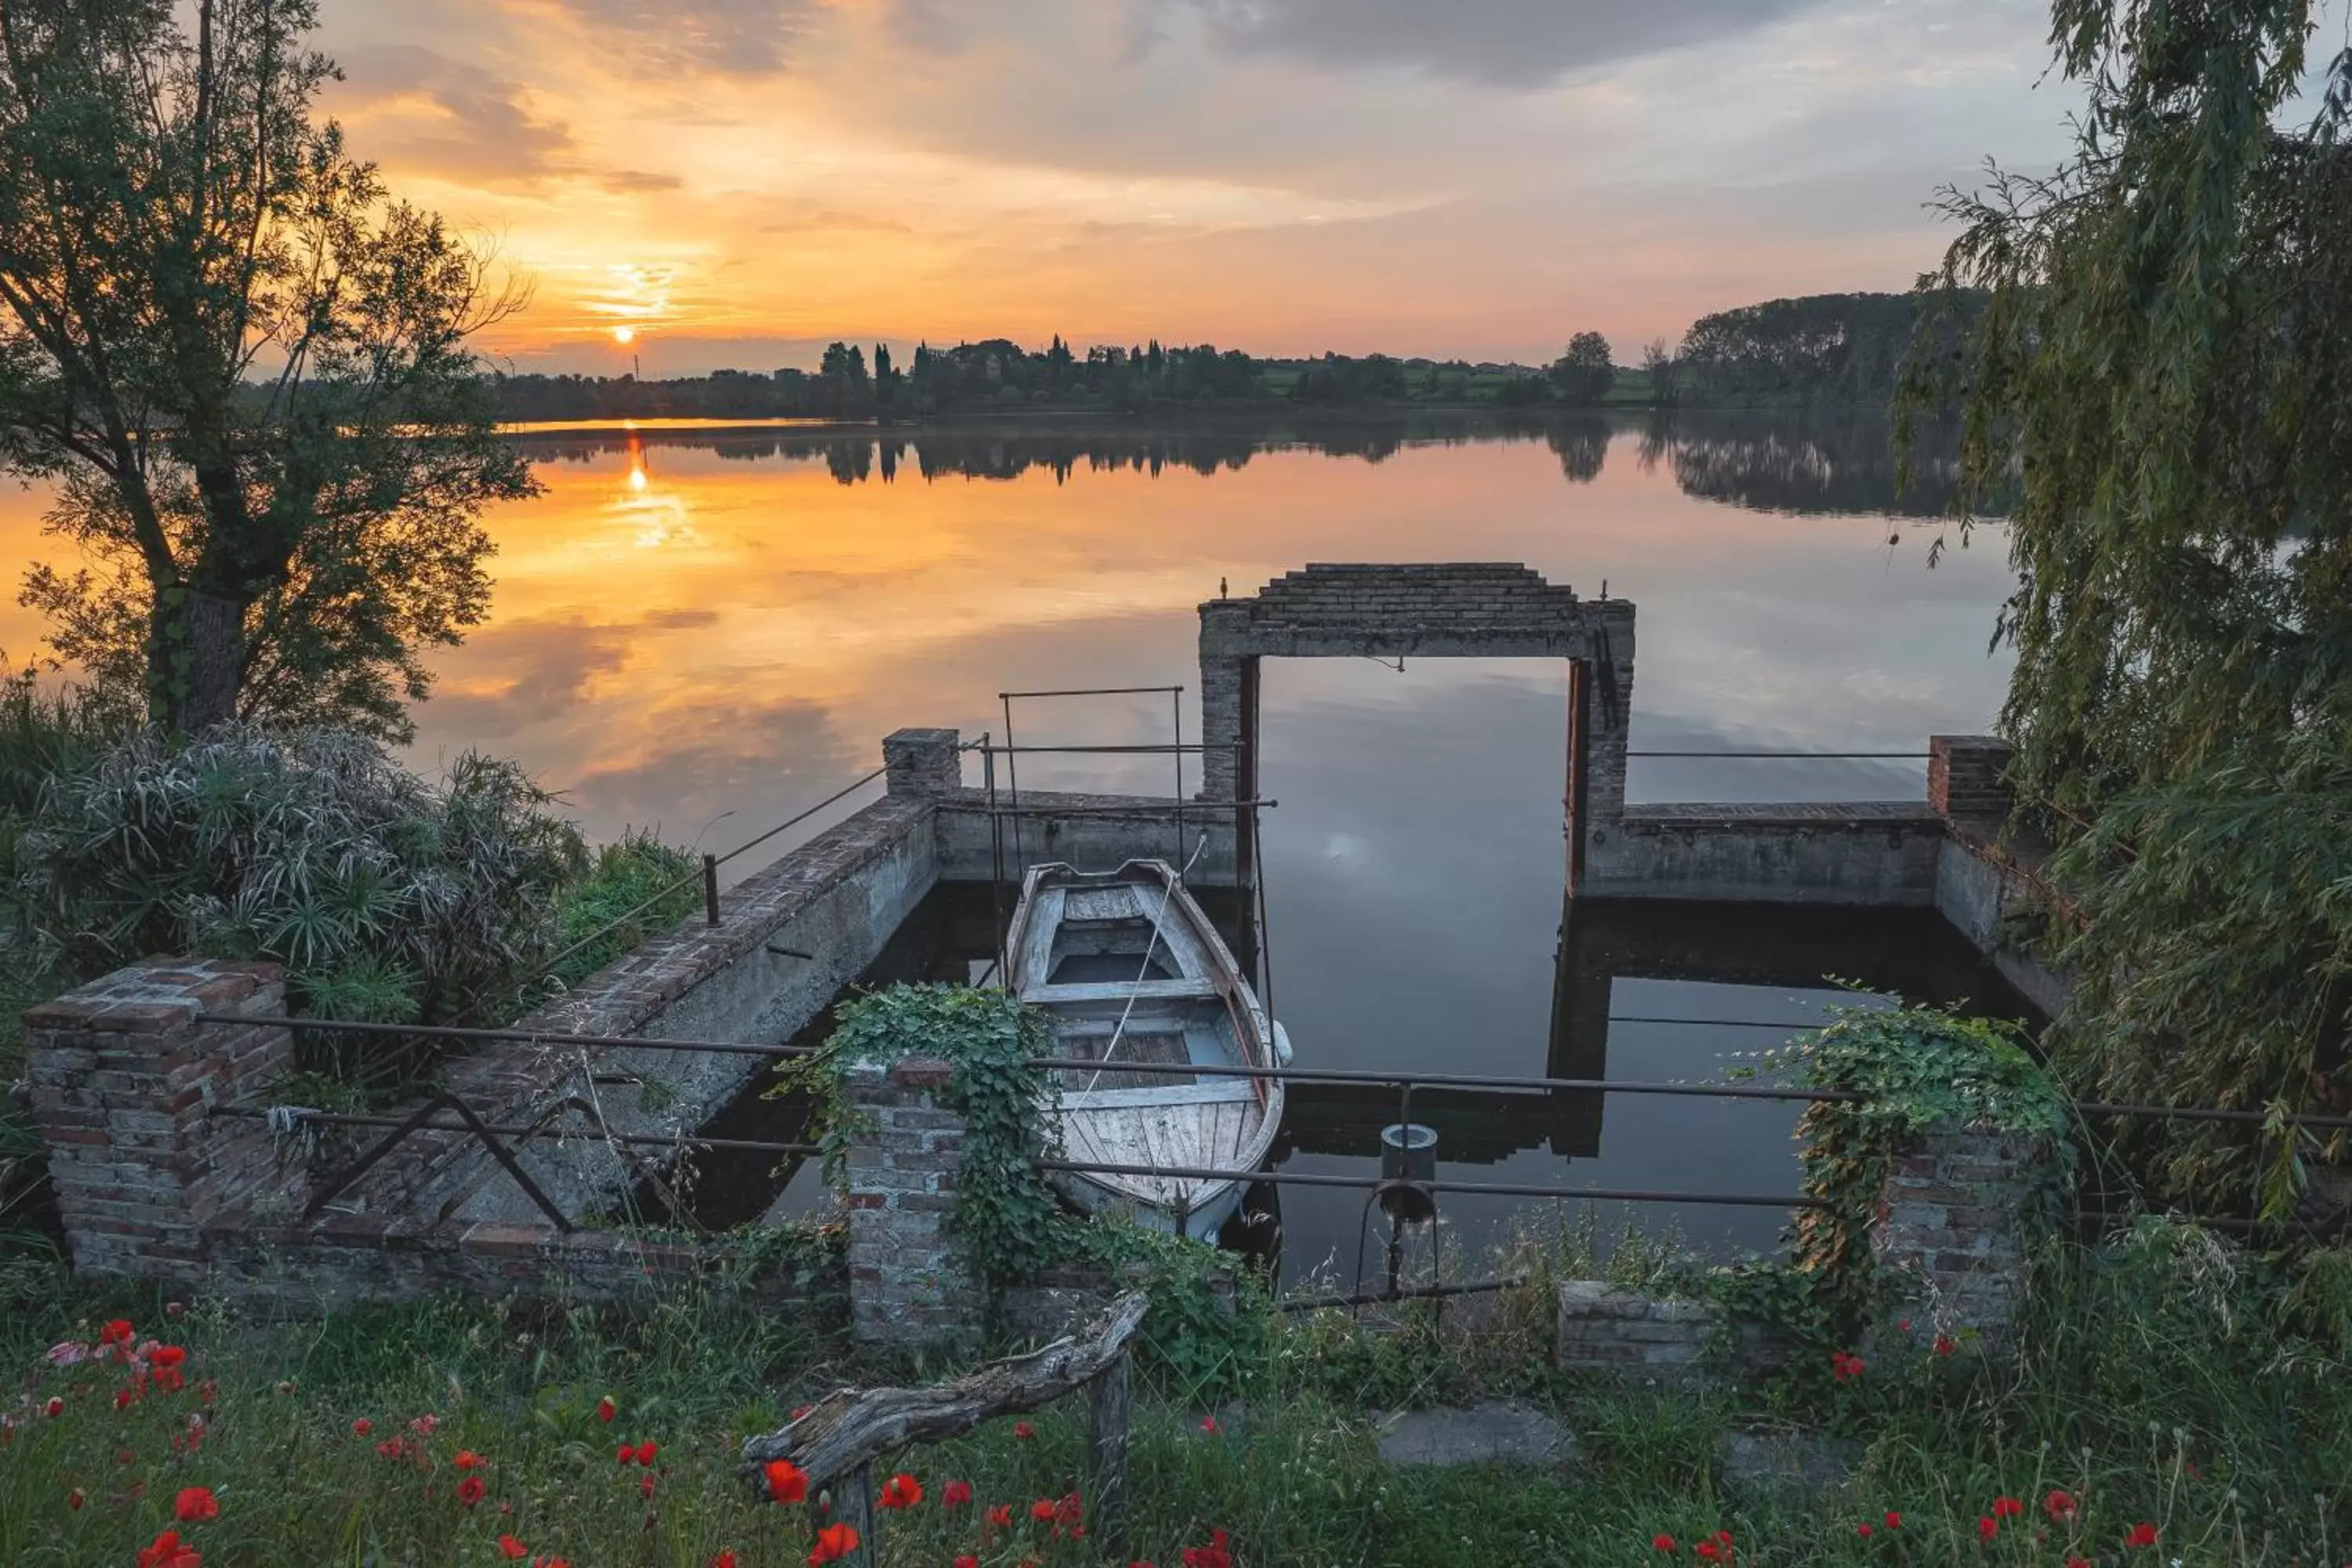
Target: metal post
[
  {"x": 996, "y": 862},
  {"x": 1176, "y": 705},
  {"x": 1013, "y": 777},
  {"x": 710, "y": 890}
]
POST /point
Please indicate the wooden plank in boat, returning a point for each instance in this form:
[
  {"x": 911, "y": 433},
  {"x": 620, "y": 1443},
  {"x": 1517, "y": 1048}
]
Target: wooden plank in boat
[
  {"x": 1035, "y": 959},
  {"x": 1119, "y": 991},
  {"x": 1102, "y": 904},
  {"x": 1223, "y": 1090}
]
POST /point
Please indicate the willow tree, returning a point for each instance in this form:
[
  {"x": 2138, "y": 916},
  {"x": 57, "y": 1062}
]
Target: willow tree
[
  {"x": 2165, "y": 367},
  {"x": 242, "y": 367}
]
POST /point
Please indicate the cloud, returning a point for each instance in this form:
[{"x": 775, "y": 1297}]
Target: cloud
[
  {"x": 425, "y": 109},
  {"x": 1503, "y": 43},
  {"x": 732, "y": 38}
]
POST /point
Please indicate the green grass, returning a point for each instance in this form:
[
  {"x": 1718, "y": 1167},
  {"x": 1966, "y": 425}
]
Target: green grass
[{"x": 2167, "y": 1380}]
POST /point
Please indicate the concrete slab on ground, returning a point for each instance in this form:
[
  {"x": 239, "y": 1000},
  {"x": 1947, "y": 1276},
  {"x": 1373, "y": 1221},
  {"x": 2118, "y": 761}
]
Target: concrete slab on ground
[
  {"x": 1500, "y": 1431},
  {"x": 1791, "y": 1462}
]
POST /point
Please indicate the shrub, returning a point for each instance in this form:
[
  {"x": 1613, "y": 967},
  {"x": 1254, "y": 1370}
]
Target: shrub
[{"x": 387, "y": 898}]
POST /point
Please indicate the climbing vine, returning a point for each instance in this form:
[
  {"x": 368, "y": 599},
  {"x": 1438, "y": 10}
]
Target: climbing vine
[
  {"x": 1913, "y": 1068},
  {"x": 1005, "y": 1219}
]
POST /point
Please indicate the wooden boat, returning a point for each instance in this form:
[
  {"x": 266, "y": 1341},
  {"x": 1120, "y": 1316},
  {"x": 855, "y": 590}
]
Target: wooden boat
[{"x": 1131, "y": 971}]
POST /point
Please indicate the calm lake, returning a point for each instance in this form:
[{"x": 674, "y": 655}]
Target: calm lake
[{"x": 702, "y": 632}]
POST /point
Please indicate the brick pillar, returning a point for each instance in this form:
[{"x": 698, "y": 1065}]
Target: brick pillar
[
  {"x": 906, "y": 1286},
  {"x": 1965, "y": 777},
  {"x": 1226, "y": 669},
  {"x": 922, "y": 763},
  {"x": 125, "y": 1083},
  {"x": 1956, "y": 1226}
]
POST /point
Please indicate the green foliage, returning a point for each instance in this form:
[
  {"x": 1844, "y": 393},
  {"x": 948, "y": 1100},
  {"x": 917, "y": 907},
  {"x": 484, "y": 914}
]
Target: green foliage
[
  {"x": 244, "y": 363},
  {"x": 1585, "y": 373},
  {"x": 633, "y": 887},
  {"x": 1211, "y": 1321},
  {"x": 386, "y": 898},
  {"x": 1913, "y": 1068},
  {"x": 1005, "y": 1219},
  {"x": 2163, "y": 358},
  {"x": 1820, "y": 350}
]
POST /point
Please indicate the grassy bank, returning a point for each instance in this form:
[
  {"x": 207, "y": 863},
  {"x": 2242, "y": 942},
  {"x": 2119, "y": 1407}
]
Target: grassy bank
[{"x": 2169, "y": 1382}]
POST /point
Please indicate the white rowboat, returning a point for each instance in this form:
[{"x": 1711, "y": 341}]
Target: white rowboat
[{"x": 1131, "y": 972}]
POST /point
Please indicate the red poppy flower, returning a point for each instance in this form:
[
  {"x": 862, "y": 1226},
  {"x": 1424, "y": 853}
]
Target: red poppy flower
[
  {"x": 645, "y": 1485},
  {"x": 1023, "y": 1429},
  {"x": 56, "y": 1406},
  {"x": 117, "y": 1332},
  {"x": 606, "y": 1410},
  {"x": 1708, "y": 1549},
  {"x": 1944, "y": 1345},
  {"x": 168, "y": 1551},
  {"x": 834, "y": 1543},
  {"x": 470, "y": 1491},
  {"x": 1042, "y": 1510},
  {"x": 424, "y": 1425},
  {"x": 2060, "y": 1507},
  {"x": 75, "y": 1499},
  {"x": 2142, "y": 1534},
  {"x": 1208, "y": 1424},
  {"x": 645, "y": 1452},
  {"x": 466, "y": 1459},
  {"x": 901, "y": 1491},
  {"x": 624, "y": 1455},
  {"x": 1987, "y": 1529},
  {"x": 362, "y": 1426},
  {"x": 167, "y": 1355},
  {"x": 2007, "y": 1507},
  {"x": 967, "y": 1561},
  {"x": 955, "y": 1494},
  {"x": 1001, "y": 1515},
  {"x": 168, "y": 1380},
  {"x": 723, "y": 1560},
  {"x": 1842, "y": 1366},
  {"x": 2078, "y": 1563},
  {"x": 509, "y": 1548},
  {"x": 1865, "y": 1531},
  {"x": 1662, "y": 1542},
  {"x": 196, "y": 1504},
  {"x": 787, "y": 1482},
  {"x": 1213, "y": 1556}
]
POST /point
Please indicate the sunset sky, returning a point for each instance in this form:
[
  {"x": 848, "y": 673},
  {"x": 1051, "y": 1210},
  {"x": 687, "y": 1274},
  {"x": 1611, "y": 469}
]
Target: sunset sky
[{"x": 740, "y": 181}]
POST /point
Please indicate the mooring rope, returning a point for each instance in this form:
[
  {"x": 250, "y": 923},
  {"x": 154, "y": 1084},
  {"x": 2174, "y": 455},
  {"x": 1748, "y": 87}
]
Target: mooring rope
[{"x": 1166, "y": 894}]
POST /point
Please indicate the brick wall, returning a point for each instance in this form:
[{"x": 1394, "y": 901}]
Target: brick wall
[
  {"x": 1669, "y": 1340},
  {"x": 905, "y": 1285},
  {"x": 1964, "y": 776},
  {"x": 124, "y": 1085},
  {"x": 922, "y": 764},
  {"x": 1954, "y": 1229}
]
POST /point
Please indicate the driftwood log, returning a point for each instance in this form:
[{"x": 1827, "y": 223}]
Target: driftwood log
[{"x": 836, "y": 1442}]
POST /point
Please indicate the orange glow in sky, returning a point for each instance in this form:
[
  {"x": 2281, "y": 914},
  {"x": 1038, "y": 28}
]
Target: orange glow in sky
[{"x": 1483, "y": 178}]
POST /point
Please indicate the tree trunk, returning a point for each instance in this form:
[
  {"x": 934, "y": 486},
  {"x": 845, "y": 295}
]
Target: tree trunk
[{"x": 206, "y": 693}]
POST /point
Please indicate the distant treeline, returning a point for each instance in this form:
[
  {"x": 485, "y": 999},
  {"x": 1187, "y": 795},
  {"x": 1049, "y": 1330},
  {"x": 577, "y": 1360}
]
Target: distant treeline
[
  {"x": 1826, "y": 349},
  {"x": 1800, "y": 463}
]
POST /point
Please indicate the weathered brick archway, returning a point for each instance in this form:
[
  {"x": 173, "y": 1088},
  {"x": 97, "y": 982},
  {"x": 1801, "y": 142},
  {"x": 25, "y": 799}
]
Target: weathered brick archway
[{"x": 1439, "y": 610}]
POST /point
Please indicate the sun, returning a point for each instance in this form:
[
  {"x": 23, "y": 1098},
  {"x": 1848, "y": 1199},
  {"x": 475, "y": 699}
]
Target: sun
[{"x": 625, "y": 336}]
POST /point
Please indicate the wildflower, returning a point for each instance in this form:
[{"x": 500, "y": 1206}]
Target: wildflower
[
  {"x": 125, "y": 1456},
  {"x": 645, "y": 1452},
  {"x": 1213, "y": 1556},
  {"x": 787, "y": 1482},
  {"x": 645, "y": 1487},
  {"x": 173, "y": 1309},
  {"x": 168, "y": 1551},
  {"x": 1904, "y": 1325},
  {"x": 56, "y": 1406},
  {"x": 1042, "y": 1510},
  {"x": 606, "y": 1410},
  {"x": 1987, "y": 1529},
  {"x": 2078, "y": 1563},
  {"x": 803, "y": 1411},
  {"x": 1843, "y": 1364},
  {"x": 75, "y": 1499},
  {"x": 466, "y": 1459},
  {"x": 1021, "y": 1429},
  {"x": 362, "y": 1426},
  {"x": 509, "y": 1548},
  {"x": 1894, "y": 1520},
  {"x": 2007, "y": 1507},
  {"x": 167, "y": 1355},
  {"x": 424, "y": 1425},
  {"x": 2060, "y": 1507},
  {"x": 1662, "y": 1542},
  {"x": 967, "y": 1561},
  {"x": 901, "y": 1491},
  {"x": 196, "y": 1504},
  {"x": 624, "y": 1455},
  {"x": 1944, "y": 1345},
  {"x": 1208, "y": 1424},
  {"x": 834, "y": 1543},
  {"x": 955, "y": 1494},
  {"x": 470, "y": 1491},
  {"x": 2142, "y": 1534},
  {"x": 117, "y": 1332},
  {"x": 1864, "y": 1530},
  {"x": 72, "y": 1352},
  {"x": 1001, "y": 1515},
  {"x": 722, "y": 1559}
]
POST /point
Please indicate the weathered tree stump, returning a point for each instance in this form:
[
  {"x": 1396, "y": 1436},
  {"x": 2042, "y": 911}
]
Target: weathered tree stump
[{"x": 838, "y": 1440}]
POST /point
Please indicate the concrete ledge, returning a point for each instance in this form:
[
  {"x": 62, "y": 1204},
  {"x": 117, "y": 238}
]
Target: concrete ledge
[
  {"x": 1881, "y": 853},
  {"x": 1100, "y": 831}
]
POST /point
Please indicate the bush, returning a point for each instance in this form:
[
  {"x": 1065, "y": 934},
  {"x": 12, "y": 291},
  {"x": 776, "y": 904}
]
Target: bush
[{"x": 387, "y": 898}]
